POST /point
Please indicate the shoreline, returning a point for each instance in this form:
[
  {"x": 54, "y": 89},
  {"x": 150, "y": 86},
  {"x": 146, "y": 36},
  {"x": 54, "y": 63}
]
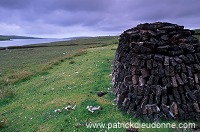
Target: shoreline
[
  {"x": 34, "y": 46},
  {"x": 28, "y": 43}
]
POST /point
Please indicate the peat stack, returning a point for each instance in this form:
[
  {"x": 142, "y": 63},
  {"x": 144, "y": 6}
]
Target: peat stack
[{"x": 156, "y": 72}]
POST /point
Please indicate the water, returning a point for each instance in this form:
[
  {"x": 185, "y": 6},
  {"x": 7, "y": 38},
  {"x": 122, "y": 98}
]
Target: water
[{"x": 21, "y": 42}]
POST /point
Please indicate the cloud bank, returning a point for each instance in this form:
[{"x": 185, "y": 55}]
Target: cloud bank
[{"x": 66, "y": 18}]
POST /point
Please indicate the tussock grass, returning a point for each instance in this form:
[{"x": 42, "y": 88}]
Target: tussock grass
[
  {"x": 62, "y": 59},
  {"x": 13, "y": 78},
  {"x": 50, "y": 64},
  {"x": 6, "y": 93},
  {"x": 71, "y": 62},
  {"x": 80, "y": 53},
  {"x": 113, "y": 49},
  {"x": 3, "y": 123}
]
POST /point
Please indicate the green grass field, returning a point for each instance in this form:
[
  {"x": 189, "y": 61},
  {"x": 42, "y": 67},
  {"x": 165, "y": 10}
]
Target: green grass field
[
  {"x": 20, "y": 63},
  {"x": 37, "y": 81}
]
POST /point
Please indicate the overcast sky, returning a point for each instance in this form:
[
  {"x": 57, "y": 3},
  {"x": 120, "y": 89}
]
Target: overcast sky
[{"x": 67, "y": 18}]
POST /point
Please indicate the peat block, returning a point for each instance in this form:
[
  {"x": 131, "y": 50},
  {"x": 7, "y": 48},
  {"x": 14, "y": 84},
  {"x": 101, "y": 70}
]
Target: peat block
[{"x": 156, "y": 72}]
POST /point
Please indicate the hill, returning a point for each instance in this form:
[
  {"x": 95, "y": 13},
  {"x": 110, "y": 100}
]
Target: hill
[
  {"x": 8, "y": 37},
  {"x": 3, "y": 38}
]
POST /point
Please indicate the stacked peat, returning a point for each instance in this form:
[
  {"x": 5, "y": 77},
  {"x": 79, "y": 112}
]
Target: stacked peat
[{"x": 156, "y": 72}]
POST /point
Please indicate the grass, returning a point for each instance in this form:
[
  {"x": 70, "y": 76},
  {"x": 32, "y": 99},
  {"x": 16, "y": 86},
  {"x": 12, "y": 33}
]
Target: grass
[
  {"x": 36, "y": 58},
  {"x": 74, "y": 79},
  {"x": 6, "y": 93},
  {"x": 197, "y": 36}
]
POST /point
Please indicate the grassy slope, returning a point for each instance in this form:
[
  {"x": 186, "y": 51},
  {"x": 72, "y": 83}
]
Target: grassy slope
[
  {"x": 73, "y": 83},
  {"x": 197, "y": 31},
  {"x": 16, "y": 64},
  {"x": 74, "y": 80}
]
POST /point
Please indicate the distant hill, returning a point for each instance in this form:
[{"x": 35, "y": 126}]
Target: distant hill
[
  {"x": 8, "y": 37},
  {"x": 3, "y": 38},
  {"x": 80, "y": 37}
]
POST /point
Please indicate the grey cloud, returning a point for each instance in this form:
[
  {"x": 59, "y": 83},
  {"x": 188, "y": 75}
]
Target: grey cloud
[
  {"x": 15, "y": 4},
  {"x": 103, "y": 16}
]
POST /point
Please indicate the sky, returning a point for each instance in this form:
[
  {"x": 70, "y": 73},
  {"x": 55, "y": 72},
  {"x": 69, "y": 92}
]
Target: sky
[{"x": 71, "y": 18}]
